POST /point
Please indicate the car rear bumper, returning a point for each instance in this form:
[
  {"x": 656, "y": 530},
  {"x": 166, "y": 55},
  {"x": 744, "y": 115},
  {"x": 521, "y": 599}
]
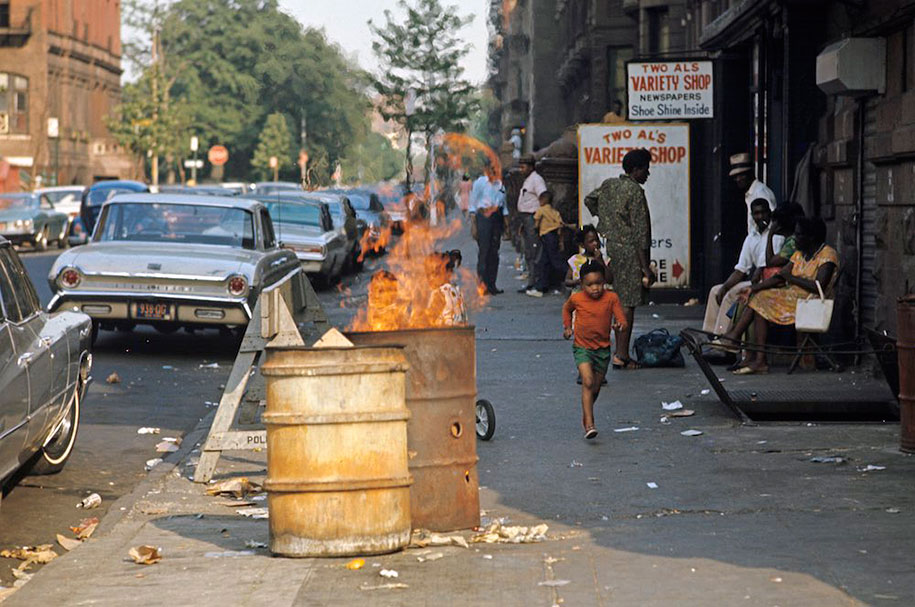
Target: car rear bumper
[{"x": 180, "y": 310}]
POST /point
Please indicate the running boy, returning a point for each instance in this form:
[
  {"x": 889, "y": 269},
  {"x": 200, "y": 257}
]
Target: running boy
[{"x": 596, "y": 312}]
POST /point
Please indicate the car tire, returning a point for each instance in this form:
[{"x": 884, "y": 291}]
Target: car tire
[
  {"x": 63, "y": 241},
  {"x": 54, "y": 455},
  {"x": 41, "y": 240}
]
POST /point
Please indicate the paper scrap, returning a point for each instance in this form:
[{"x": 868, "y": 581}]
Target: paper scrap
[
  {"x": 388, "y": 573},
  {"x": 652, "y": 485},
  {"x": 691, "y": 433},
  {"x": 672, "y": 406},
  {"x": 148, "y": 430},
  {"x": 145, "y": 554},
  {"x": 629, "y": 429},
  {"x": 554, "y": 583},
  {"x": 256, "y": 513}
]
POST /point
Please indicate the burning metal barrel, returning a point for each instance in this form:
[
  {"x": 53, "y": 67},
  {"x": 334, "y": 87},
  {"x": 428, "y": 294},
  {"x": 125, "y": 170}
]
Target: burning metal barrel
[
  {"x": 905, "y": 347},
  {"x": 337, "y": 477},
  {"x": 441, "y": 396}
]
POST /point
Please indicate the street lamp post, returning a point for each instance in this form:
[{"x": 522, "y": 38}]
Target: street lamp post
[
  {"x": 195, "y": 143},
  {"x": 54, "y": 133}
]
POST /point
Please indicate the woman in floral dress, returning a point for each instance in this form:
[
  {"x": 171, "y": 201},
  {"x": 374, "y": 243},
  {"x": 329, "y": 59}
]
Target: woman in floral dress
[{"x": 774, "y": 300}]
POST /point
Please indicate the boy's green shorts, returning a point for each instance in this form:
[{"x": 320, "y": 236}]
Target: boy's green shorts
[{"x": 598, "y": 358}]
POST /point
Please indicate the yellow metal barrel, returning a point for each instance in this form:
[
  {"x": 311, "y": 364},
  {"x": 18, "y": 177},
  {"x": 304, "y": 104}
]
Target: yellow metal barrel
[
  {"x": 337, "y": 477},
  {"x": 441, "y": 433}
]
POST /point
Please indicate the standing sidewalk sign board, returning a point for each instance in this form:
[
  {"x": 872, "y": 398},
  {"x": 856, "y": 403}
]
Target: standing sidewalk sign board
[
  {"x": 670, "y": 90},
  {"x": 601, "y": 148}
]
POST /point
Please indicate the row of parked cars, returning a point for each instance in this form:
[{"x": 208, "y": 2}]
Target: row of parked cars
[{"x": 192, "y": 258}]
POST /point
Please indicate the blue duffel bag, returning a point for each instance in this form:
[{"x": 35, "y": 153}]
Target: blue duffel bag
[{"x": 659, "y": 349}]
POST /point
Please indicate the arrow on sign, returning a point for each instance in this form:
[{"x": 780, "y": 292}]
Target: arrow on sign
[{"x": 677, "y": 269}]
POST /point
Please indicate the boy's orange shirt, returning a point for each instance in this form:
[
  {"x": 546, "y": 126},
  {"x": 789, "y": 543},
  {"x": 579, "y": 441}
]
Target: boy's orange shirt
[{"x": 593, "y": 318}]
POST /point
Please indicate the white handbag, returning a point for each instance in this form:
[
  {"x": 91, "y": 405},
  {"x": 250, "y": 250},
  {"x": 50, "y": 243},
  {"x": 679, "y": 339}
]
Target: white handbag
[{"x": 813, "y": 315}]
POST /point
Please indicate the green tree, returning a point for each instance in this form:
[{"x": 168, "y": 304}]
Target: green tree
[
  {"x": 421, "y": 54},
  {"x": 371, "y": 159},
  {"x": 274, "y": 141}
]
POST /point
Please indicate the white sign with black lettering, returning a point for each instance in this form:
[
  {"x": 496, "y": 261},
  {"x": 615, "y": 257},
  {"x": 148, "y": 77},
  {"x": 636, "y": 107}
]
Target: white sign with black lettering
[{"x": 670, "y": 90}]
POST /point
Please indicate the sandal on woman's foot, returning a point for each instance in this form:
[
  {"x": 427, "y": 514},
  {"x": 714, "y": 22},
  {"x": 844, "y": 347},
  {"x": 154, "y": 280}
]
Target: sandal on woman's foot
[
  {"x": 628, "y": 364},
  {"x": 590, "y": 433},
  {"x": 748, "y": 370},
  {"x": 724, "y": 343}
]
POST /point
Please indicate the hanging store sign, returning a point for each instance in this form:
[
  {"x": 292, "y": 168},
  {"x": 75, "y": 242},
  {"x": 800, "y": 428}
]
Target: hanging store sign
[
  {"x": 670, "y": 90},
  {"x": 601, "y": 148}
]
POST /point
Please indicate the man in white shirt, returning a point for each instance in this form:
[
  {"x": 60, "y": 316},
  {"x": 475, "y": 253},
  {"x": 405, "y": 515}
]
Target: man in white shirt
[
  {"x": 752, "y": 258},
  {"x": 528, "y": 203},
  {"x": 488, "y": 218},
  {"x": 752, "y": 188}
]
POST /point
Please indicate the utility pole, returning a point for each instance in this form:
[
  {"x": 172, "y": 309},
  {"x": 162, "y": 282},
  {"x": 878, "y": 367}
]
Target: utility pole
[{"x": 194, "y": 145}]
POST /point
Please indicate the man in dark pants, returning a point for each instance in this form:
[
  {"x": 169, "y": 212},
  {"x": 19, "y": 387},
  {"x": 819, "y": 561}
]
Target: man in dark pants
[
  {"x": 488, "y": 215},
  {"x": 528, "y": 203}
]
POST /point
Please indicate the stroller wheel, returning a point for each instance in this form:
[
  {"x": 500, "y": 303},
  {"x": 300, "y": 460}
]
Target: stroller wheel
[{"x": 486, "y": 419}]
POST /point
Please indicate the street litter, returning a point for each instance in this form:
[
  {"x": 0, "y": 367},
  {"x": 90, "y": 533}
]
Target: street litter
[
  {"x": 114, "y": 378},
  {"x": 67, "y": 543},
  {"x": 692, "y": 301},
  {"x": 682, "y": 413},
  {"x": 209, "y": 366},
  {"x": 355, "y": 564},
  {"x": 258, "y": 513},
  {"x": 575, "y": 464},
  {"x": 167, "y": 447},
  {"x": 145, "y": 554},
  {"x": 431, "y": 557},
  {"x": 652, "y": 485},
  {"x": 85, "y": 528},
  {"x": 148, "y": 430},
  {"x": 488, "y": 557},
  {"x": 871, "y": 468},
  {"x": 31, "y": 554},
  {"x": 388, "y": 573},
  {"x": 152, "y": 463},
  {"x": 828, "y": 459},
  {"x": 228, "y": 554},
  {"x": 259, "y": 498},
  {"x": 705, "y": 391},
  {"x": 423, "y": 538},
  {"x": 167, "y": 367},
  {"x": 496, "y": 533},
  {"x": 691, "y": 433},
  {"x": 235, "y": 487},
  {"x": 893, "y": 510},
  {"x": 656, "y": 316},
  {"x": 664, "y": 419},
  {"x": 393, "y": 586},
  {"x": 150, "y": 510},
  {"x": 629, "y": 429},
  {"x": 93, "y": 501},
  {"x": 255, "y": 544},
  {"x": 554, "y": 583},
  {"x": 672, "y": 406}
]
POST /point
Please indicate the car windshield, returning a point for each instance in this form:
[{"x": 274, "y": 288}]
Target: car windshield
[
  {"x": 102, "y": 195},
  {"x": 184, "y": 223},
  {"x": 15, "y": 202},
  {"x": 298, "y": 214},
  {"x": 63, "y": 196}
]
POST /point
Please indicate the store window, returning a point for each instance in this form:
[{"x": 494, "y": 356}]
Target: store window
[
  {"x": 14, "y": 104},
  {"x": 4, "y": 14}
]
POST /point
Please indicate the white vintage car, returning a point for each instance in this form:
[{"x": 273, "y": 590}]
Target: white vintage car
[{"x": 171, "y": 261}]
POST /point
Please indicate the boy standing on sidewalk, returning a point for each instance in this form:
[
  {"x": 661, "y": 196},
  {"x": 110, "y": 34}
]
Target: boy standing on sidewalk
[
  {"x": 597, "y": 311},
  {"x": 551, "y": 264}
]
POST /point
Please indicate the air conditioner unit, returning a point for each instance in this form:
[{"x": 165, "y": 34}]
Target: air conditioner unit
[{"x": 4, "y": 123}]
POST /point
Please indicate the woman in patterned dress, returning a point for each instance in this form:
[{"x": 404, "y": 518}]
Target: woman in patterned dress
[
  {"x": 623, "y": 220},
  {"x": 774, "y": 300}
]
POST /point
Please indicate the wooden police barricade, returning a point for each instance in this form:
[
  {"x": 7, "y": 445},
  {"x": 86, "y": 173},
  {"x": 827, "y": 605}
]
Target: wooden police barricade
[{"x": 280, "y": 311}]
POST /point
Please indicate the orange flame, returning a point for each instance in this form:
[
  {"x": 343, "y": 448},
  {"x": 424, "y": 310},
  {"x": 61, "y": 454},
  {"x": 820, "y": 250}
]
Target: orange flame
[{"x": 417, "y": 291}]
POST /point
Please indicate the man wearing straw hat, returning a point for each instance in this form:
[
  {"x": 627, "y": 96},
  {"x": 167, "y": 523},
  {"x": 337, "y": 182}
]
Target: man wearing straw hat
[{"x": 743, "y": 175}]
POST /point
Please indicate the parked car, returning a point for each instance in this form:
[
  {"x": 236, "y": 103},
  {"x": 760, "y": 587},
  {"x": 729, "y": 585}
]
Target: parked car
[
  {"x": 171, "y": 261},
  {"x": 204, "y": 190},
  {"x": 44, "y": 371},
  {"x": 101, "y": 192},
  {"x": 29, "y": 217},
  {"x": 369, "y": 209},
  {"x": 236, "y": 187},
  {"x": 306, "y": 228},
  {"x": 66, "y": 199},
  {"x": 344, "y": 216},
  {"x": 272, "y": 187}
]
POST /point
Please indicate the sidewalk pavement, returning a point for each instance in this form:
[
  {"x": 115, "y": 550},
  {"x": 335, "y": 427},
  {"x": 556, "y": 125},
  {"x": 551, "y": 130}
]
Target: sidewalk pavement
[{"x": 739, "y": 515}]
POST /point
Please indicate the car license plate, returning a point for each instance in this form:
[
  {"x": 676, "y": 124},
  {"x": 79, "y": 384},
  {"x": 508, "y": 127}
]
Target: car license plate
[{"x": 153, "y": 311}]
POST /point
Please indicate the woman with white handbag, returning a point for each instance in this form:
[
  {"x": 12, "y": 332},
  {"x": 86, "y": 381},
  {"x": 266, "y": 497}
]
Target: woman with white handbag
[{"x": 810, "y": 273}]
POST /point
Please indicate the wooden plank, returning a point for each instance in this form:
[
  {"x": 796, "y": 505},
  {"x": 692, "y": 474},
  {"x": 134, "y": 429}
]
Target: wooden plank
[{"x": 239, "y": 440}]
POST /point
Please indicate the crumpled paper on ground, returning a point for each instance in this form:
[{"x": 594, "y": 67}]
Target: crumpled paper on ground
[
  {"x": 145, "y": 554},
  {"x": 31, "y": 554},
  {"x": 236, "y": 487},
  {"x": 497, "y": 533},
  {"x": 85, "y": 528},
  {"x": 423, "y": 538}
]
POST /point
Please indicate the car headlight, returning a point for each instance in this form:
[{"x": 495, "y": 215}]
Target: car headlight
[
  {"x": 23, "y": 223},
  {"x": 69, "y": 278},
  {"x": 237, "y": 285}
]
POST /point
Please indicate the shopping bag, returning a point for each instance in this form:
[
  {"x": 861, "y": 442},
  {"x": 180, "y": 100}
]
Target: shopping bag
[
  {"x": 659, "y": 349},
  {"x": 813, "y": 315}
]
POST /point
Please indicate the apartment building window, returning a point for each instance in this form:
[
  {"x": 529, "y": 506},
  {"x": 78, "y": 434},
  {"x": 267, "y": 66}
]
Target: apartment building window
[
  {"x": 14, "y": 104},
  {"x": 658, "y": 30},
  {"x": 4, "y": 14},
  {"x": 617, "y": 56}
]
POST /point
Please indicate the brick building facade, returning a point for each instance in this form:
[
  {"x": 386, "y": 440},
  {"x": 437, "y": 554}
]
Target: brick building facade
[{"x": 60, "y": 66}]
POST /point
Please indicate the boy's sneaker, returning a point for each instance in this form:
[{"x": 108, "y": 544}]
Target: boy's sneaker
[{"x": 534, "y": 293}]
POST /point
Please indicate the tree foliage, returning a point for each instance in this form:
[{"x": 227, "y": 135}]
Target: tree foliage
[
  {"x": 371, "y": 160},
  {"x": 275, "y": 140},
  {"x": 422, "y": 53}
]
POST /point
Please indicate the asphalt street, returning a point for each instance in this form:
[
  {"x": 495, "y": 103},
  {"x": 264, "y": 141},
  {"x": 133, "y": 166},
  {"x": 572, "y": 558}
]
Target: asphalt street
[{"x": 164, "y": 383}]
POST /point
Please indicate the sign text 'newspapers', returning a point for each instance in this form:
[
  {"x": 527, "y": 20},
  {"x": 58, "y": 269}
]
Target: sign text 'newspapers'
[{"x": 675, "y": 90}]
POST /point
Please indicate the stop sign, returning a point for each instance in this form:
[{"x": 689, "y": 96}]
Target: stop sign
[{"x": 218, "y": 155}]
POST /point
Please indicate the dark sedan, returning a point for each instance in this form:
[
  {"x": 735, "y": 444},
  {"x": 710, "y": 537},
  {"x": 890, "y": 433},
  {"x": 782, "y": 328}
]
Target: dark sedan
[{"x": 101, "y": 192}]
